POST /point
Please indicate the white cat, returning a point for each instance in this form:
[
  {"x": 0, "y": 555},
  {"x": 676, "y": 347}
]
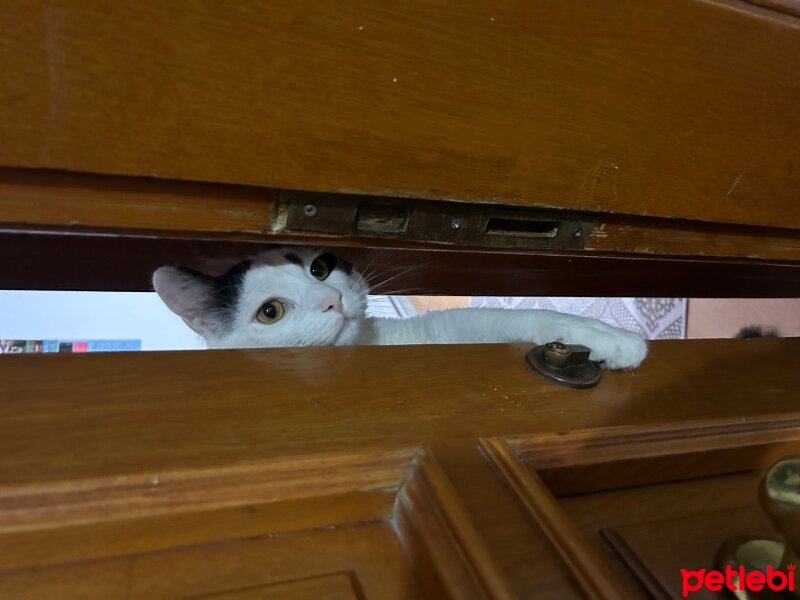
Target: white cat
[{"x": 301, "y": 296}]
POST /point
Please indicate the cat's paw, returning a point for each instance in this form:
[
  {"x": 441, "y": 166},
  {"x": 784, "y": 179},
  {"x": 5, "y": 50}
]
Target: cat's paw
[{"x": 617, "y": 348}]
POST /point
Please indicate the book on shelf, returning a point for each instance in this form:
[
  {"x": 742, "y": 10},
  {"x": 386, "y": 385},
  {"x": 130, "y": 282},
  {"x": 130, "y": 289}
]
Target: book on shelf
[{"x": 45, "y": 346}]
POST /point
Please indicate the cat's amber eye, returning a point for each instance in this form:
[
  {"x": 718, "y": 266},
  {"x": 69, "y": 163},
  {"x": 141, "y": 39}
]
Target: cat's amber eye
[
  {"x": 320, "y": 269},
  {"x": 270, "y": 312}
]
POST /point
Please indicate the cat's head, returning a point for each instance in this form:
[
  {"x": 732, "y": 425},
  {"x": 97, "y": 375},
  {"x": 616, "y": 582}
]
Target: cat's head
[{"x": 284, "y": 296}]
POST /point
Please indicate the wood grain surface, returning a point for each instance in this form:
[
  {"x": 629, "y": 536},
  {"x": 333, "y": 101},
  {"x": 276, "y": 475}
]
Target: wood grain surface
[{"x": 684, "y": 110}]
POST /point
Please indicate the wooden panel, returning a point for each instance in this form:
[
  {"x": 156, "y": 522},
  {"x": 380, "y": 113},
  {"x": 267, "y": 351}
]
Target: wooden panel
[
  {"x": 80, "y": 203},
  {"x": 84, "y": 519},
  {"x": 370, "y": 551},
  {"x": 516, "y": 543},
  {"x": 109, "y": 516},
  {"x": 687, "y": 512},
  {"x": 123, "y": 263},
  {"x": 657, "y": 550},
  {"x": 638, "y": 110},
  {"x": 50, "y": 198},
  {"x": 451, "y": 558},
  {"x": 663, "y": 236},
  {"x": 589, "y": 570},
  {"x": 295, "y": 478},
  {"x": 130, "y": 413},
  {"x": 590, "y": 460},
  {"x": 80, "y": 520},
  {"x": 596, "y": 513},
  {"x": 643, "y": 504},
  {"x": 275, "y": 468},
  {"x": 639, "y": 463},
  {"x": 94, "y": 580},
  {"x": 341, "y": 586}
]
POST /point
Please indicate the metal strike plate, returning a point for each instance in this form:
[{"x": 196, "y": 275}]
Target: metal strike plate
[
  {"x": 455, "y": 223},
  {"x": 564, "y": 364}
]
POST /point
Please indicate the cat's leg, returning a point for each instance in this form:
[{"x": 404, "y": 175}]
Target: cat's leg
[{"x": 618, "y": 348}]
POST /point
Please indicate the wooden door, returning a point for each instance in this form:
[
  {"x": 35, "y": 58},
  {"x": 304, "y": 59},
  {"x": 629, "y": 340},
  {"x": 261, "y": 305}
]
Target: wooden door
[
  {"x": 398, "y": 472},
  {"x": 682, "y": 111},
  {"x": 394, "y": 472}
]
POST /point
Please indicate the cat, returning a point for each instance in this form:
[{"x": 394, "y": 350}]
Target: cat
[
  {"x": 756, "y": 331},
  {"x": 304, "y": 296}
]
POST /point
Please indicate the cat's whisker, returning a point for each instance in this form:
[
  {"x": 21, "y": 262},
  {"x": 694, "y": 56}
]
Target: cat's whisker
[
  {"x": 367, "y": 272},
  {"x": 400, "y": 274},
  {"x": 359, "y": 287},
  {"x": 403, "y": 291},
  {"x": 368, "y": 277}
]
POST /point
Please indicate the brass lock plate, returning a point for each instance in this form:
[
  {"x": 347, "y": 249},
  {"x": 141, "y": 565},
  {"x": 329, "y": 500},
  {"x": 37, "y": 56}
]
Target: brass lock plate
[
  {"x": 463, "y": 224},
  {"x": 564, "y": 364}
]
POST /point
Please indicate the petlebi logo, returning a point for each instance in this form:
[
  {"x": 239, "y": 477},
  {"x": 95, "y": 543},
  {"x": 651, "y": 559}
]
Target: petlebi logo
[{"x": 737, "y": 580}]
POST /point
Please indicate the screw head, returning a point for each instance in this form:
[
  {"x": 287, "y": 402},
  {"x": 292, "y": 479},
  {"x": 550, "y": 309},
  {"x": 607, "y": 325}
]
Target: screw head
[
  {"x": 310, "y": 210},
  {"x": 455, "y": 224},
  {"x": 578, "y": 233}
]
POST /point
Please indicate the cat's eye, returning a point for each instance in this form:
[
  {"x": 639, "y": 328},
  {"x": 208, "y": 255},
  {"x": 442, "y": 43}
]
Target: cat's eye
[
  {"x": 270, "y": 312},
  {"x": 322, "y": 266}
]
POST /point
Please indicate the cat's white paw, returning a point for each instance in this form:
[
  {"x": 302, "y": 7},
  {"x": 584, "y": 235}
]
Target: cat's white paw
[{"x": 617, "y": 348}]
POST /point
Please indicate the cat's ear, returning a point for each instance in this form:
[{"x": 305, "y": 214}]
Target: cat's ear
[{"x": 189, "y": 295}]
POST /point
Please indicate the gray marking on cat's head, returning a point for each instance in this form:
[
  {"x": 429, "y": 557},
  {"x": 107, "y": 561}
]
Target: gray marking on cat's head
[
  {"x": 293, "y": 258},
  {"x": 225, "y": 309}
]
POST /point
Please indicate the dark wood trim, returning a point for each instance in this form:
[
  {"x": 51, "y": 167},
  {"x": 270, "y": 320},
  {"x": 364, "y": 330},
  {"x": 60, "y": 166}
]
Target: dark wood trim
[{"x": 117, "y": 262}]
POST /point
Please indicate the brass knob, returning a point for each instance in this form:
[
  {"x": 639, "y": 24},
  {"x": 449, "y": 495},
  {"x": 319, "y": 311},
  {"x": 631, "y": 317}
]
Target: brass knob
[{"x": 779, "y": 496}]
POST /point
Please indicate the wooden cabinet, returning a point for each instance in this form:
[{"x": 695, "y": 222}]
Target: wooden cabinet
[
  {"x": 686, "y": 110},
  {"x": 141, "y": 134},
  {"x": 382, "y": 472}
]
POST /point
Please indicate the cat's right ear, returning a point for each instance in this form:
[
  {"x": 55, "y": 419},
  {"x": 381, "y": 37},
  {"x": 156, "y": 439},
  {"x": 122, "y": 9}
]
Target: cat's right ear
[{"x": 188, "y": 294}]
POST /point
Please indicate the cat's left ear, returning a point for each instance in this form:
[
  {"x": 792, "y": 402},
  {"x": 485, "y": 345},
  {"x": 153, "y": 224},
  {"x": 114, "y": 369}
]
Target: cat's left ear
[{"x": 189, "y": 295}]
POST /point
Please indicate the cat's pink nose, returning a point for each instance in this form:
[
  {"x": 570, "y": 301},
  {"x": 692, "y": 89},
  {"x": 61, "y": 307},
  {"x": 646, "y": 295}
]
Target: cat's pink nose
[{"x": 331, "y": 301}]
